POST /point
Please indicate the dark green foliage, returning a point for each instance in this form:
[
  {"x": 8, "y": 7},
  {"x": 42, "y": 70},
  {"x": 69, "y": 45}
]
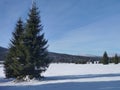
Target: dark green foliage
[
  {"x": 28, "y": 51},
  {"x": 35, "y": 45},
  {"x": 111, "y": 59},
  {"x": 13, "y": 65},
  {"x": 116, "y": 59},
  {"x": 28, "y": 55},
  {"x": 105, "y": 59},
  {"x": 3, "y": 52}
]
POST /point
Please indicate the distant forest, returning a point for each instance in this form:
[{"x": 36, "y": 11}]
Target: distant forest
[{"x": 60, "y": 58}]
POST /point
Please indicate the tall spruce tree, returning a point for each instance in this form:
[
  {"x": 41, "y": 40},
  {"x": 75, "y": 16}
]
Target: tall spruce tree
[
  {"x": 105, "y": 59},
  {"x": 28, "y": 55},
  {"x": 116, "y": 59},
  {"x": 35, "y": 45},
  {"x": 13, "y": 66}
]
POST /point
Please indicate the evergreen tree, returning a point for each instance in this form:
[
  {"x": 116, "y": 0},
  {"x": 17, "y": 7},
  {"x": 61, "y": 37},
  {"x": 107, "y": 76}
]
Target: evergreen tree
[
  {"x": 105, "y": 59},
  {"x": 13, "y": 67},
  {"x": 116, "y": 59},
  {"x": 28, "y": 55},
  {"x": 35, "y": 45},
  {"x": 111, "y": 60}
]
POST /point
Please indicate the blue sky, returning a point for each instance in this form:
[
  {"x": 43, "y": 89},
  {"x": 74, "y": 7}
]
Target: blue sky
[{"x": 71, "y": 26}]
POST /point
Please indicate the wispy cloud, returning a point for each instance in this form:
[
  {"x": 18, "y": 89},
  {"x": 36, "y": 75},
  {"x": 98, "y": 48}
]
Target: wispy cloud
[
  {"x": 71, "y": 26},
  {"x": 95, "y": 37}
]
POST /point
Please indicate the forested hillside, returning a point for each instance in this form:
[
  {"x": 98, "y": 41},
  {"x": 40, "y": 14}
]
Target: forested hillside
[{"x": 3, "y": 52}]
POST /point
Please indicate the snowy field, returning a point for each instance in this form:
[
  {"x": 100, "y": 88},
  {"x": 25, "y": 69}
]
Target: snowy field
[{"x": 70, "y": 77}]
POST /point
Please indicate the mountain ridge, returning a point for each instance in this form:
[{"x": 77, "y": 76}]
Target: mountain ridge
[{"x": 59, "y": 57}]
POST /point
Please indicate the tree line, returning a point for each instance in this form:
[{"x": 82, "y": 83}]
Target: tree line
[{"x": 106, "y": 60}]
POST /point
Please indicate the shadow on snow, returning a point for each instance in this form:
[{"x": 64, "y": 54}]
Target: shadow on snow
[
  {"x": 69, "y": 77},
  {"x": 111, "y": 85}
]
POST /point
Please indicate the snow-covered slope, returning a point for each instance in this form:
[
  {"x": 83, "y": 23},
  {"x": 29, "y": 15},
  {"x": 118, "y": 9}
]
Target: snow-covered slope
[{"x": 70, "y": 77}]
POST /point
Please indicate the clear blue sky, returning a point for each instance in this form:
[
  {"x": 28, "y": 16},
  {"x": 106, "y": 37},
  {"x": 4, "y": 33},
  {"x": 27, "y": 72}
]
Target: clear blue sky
[{"x": 71, "y": 26}]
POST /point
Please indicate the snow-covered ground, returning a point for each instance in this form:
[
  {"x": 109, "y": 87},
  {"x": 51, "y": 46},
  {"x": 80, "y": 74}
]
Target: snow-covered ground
[{"x": 70, "y": 77}]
